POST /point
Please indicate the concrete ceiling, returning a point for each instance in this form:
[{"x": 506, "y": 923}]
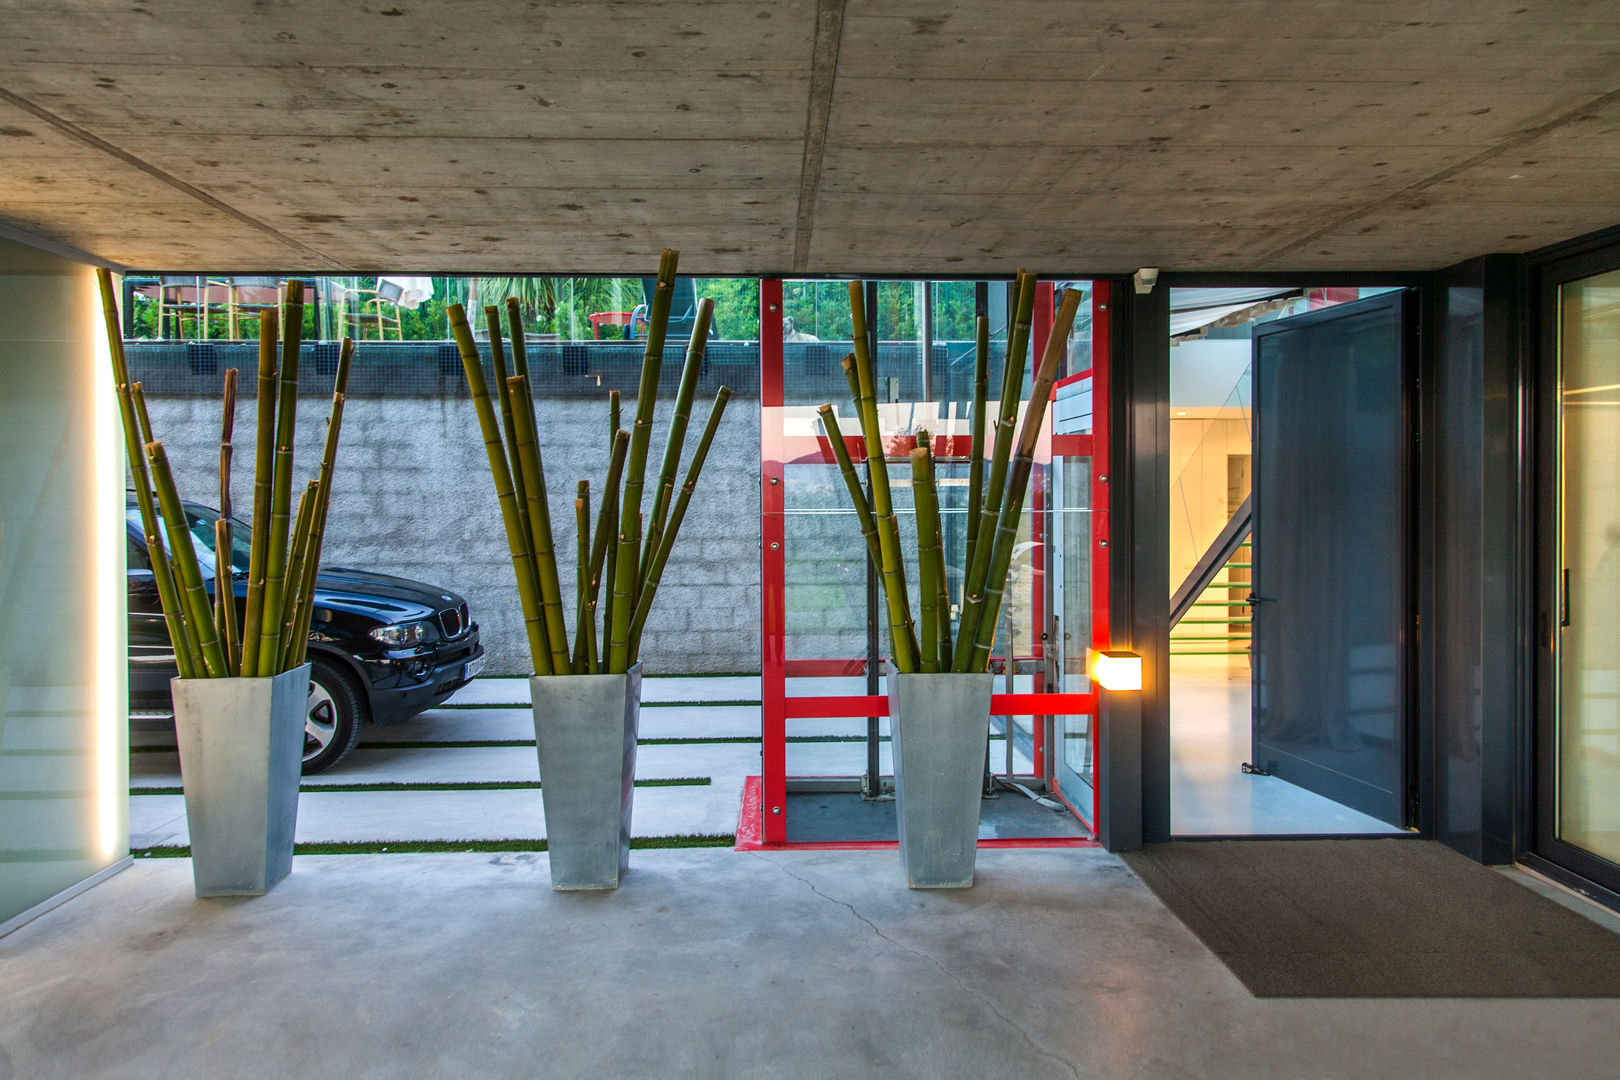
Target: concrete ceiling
[{"x": 819, "y": 136}]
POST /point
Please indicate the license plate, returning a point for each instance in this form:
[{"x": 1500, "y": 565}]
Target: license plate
[{"x": 472, "y": 669}]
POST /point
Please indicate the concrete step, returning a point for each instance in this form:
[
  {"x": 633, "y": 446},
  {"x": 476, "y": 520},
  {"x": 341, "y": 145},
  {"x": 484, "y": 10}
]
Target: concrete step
[
  {"x": 378, "y": 817},
  {"x": 509, "y": 691},
  {"x": 500, "y": 764},
  {"x": 477, "y": 764}
]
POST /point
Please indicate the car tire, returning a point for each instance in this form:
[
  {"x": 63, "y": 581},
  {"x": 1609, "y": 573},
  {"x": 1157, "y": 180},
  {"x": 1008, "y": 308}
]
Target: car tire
[{"x": 335, "y": 716}]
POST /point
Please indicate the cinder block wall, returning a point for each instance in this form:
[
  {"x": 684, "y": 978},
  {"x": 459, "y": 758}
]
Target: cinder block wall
[{"x": 413, "y": 497}]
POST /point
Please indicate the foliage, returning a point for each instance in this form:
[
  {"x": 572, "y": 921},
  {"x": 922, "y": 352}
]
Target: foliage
[{"x": 563, "y": 306}]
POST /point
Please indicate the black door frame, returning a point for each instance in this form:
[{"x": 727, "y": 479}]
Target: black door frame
[
  {"x": 1539, "y": 843},
  {"x": 1140, "y": 504}
]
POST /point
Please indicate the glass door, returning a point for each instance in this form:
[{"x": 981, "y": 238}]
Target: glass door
[{"x": 1578, "y": 797}]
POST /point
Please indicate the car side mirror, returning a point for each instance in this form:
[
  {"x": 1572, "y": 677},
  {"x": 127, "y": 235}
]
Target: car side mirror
[{"x": 142, "y": 584}]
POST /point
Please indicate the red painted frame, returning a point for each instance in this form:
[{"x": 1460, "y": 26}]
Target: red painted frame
[{"x": 767, "y": 804}]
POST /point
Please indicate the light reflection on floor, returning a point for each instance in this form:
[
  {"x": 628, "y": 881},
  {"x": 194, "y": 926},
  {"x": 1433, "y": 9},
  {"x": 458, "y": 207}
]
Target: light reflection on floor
[{"x": 1209, "y": 741}]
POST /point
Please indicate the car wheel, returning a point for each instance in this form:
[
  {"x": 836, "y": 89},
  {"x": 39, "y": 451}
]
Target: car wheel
[{"x": 334, "y": 719}]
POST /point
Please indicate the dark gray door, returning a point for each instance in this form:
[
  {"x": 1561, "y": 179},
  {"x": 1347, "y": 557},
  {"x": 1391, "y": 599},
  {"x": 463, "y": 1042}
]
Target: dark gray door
[{"x": 1330, "y": 596}]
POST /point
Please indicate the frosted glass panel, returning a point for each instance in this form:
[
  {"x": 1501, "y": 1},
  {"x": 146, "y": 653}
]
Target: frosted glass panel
[
  {"x": 1589, "y": 661},
  {"x": 63, "y": 732}
]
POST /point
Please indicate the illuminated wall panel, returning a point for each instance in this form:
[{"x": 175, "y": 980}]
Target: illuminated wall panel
[{"x": 63, "y": 726}]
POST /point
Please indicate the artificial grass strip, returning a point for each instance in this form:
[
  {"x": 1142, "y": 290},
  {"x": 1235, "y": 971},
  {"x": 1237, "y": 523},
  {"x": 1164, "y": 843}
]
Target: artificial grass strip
[
  {"x": 432, "y": 847},
  {"x": 446, "y": 785},
  {"x": 472, "y": 706},
  {"x": 737, "y": 740}
]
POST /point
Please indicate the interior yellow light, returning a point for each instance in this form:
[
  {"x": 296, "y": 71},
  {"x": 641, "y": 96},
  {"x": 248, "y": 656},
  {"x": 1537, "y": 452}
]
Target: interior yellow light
[
  {"x": 108, "y": 515},
  {"x": 1116, "y": 669}
]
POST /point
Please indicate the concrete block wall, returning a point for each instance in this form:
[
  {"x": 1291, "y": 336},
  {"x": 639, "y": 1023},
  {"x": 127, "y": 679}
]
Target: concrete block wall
[{"x": 413, "y": 497}]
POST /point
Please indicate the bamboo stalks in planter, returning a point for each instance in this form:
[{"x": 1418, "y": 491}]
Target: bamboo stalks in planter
[
  {"x": 281, "y": 575},
  {"x": 224, "y": 575},
  {"x": 995, "y": 501},
  {"x": 621, "y": 557}
]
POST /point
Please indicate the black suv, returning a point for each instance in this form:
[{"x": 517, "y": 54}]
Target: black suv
[{"x": 380, "y": 648}]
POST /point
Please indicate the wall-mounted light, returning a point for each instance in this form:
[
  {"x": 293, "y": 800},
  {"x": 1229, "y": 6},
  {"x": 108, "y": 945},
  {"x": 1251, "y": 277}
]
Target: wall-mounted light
[{"x": 1116, "y": 669}]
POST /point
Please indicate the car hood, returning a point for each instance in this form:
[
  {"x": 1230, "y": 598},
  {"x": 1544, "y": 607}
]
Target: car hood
[{"x": 382, "y": 597}]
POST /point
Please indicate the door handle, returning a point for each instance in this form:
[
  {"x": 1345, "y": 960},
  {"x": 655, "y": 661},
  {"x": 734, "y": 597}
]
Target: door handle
[
  {"x": 1564, "y": 600},
  {"x": 1252, "y": 599}
]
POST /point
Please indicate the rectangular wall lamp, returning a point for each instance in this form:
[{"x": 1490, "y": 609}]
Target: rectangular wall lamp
[{"x": 1116, "y": 669}]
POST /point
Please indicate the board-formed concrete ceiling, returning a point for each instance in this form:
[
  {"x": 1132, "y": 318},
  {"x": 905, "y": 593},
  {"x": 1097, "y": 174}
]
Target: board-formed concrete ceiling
[{"x": 816, "y": 136}]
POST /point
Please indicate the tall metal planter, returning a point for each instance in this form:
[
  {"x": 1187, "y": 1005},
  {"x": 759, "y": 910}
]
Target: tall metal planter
[
  {"x": 585, "y": 734},
  {"x": 939, "y": 723},
  {"x": 241, "y": 756}
]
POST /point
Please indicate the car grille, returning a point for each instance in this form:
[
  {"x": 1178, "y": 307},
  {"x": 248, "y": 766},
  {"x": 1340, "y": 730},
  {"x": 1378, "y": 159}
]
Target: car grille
[{"x": 453, "y": 621}]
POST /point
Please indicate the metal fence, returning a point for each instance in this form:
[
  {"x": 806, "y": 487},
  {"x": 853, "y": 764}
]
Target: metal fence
[{"x": 570, "y": 369}]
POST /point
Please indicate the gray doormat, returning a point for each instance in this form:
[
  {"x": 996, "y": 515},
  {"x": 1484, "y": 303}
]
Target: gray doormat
[
  {"x": 1376, "y": 918},
  {"x": 844, "y": 817}
]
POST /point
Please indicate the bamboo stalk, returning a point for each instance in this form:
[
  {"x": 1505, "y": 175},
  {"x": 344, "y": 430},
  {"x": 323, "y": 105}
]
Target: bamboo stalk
[
  {"x": 544, "y": 554},
  {"x": 520, "y": 345},
  {"x": 263, "y": 458},
  {"x": 312, "y": 565},
  {"x": 275, "y": 573},
  {"x": 193, "y": 595},
  {"x": 142, "y": 420},
  {"x": 675, "y": 444},
  {"x": 511, "y": 516},
  {"x": 625, "y": 577},
  {"x": 134, "y": 441},
  {"x": 1012, "y": 381},
  {"x": 981, "y": 389},
  {"x": 891, "y": 565},
  {"x": 298, "y": 552},
  {"x": 660, "y": 558},
  {"x": 225, "y": 596},
  {"x": 162, "y": 560},
  {"x": 613, "y": 417},
  {"x": 607, "y": 528},
  {"x": 929, "y": 525},
  {"x": 922, "y": 486},
  {"x": 582, "y": 573},
  {"x": 224, "y": 572},
  {"x": 854, "y": 381},
  {"x": 852, "y": 481},
  {"x": 1006, "y": 534},
  {"x": 497, "y": 359}
]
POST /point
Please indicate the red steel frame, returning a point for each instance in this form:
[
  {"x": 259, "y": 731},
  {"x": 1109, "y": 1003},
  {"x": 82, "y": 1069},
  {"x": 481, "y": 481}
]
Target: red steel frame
[{"x": 766, "y": 803}]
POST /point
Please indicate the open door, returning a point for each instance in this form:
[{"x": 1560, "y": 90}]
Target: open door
[{"x": 1330, "y": 600}]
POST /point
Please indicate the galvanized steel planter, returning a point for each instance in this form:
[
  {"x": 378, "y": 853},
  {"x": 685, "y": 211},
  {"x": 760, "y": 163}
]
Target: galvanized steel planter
[
  {"x": 939, "y": 724},
  {"x": 241, "y": 756},
  {"x": 585, "y": 734}
]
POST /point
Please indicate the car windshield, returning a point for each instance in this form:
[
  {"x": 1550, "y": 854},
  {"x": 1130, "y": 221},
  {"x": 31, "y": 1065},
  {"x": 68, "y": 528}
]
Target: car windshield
[{"x": 201, "y": 519}]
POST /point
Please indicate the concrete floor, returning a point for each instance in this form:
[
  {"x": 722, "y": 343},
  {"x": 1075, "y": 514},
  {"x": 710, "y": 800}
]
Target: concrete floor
[{"x": 704, "y": 964}]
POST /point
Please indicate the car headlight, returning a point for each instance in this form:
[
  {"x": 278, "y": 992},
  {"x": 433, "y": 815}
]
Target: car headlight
[{"x": 400, "y": 635}]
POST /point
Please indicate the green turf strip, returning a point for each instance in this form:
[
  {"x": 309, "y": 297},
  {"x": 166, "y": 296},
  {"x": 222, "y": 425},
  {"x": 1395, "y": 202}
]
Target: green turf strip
[
  {"x": 693, "y": 741},
  {"x": 415, "y": 847},
  {"x": 422, "y": 744},
  {"x": 524, "y": 705},
  {"x": 447, "y": 785}
]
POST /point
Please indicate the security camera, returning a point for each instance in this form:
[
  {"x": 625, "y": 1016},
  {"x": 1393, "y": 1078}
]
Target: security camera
[{"x": 1146, "y": 278}]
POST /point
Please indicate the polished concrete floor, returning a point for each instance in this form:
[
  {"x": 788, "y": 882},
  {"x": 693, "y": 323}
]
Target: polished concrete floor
[
  {"x": 1210, "y": 795},
  {"x": 704, "y": 964}
]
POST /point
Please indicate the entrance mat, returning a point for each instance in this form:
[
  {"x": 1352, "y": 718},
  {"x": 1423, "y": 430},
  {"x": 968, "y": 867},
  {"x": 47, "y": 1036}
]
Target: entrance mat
[
  {"x": 1376, "y": 918},
  {"x": 834, "y": 817}
]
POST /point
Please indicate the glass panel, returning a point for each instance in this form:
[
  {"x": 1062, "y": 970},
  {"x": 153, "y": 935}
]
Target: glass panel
[
  {"x": 1589, "y": 662},
  {"x": 63, "y": 748},
  {"x": 924, "y": 382},
  {"x": 1074, "y": 613}
]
